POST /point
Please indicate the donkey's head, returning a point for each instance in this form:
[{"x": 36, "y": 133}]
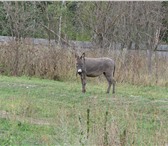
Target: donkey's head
[{"x": 80, "y": 63}]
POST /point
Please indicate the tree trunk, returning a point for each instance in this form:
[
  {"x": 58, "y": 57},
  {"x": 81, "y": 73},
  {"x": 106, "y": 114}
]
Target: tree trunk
[{"x": 60, "y": 26}]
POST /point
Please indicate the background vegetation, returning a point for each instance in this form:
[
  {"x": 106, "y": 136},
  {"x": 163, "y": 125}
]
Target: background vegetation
[
  {"x": 100, "y": 22},
  {"x": 122, "y": 22},
  {"x": 55, "y": 112}
]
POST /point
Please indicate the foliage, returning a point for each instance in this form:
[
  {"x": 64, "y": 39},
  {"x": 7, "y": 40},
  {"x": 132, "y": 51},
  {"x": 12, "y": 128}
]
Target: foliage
[
  {"x": 86, "y": 21},
  {"x": 4, "y": 30},
  {"x": 164, "y": 31}
]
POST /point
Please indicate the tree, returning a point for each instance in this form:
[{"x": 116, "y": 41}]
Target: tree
[
  {"x": 164, "y": 30},
  {"x": 127, "y": 23},
  {"x": 19, "y": 18}
]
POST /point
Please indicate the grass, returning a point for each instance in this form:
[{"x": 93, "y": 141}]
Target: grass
[{"x": 46, "y": 112}]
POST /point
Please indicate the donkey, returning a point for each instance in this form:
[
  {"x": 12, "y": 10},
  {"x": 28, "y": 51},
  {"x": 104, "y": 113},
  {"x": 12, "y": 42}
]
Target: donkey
[{"x": 94, "y": 67}]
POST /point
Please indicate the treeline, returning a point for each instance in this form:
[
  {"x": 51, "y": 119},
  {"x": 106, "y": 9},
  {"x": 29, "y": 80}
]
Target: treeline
[{"x": 103, "y": 23}]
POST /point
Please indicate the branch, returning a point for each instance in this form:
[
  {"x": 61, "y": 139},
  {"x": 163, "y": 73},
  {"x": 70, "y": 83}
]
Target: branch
[
  {"x": 55, "y": 34},
  {"x": 73, "y": 46}
]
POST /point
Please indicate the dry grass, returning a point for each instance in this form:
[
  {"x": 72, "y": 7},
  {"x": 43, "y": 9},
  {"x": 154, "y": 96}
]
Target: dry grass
[
  {"x": 59, "y": 63},
  {"x": 39, "y": 61}
]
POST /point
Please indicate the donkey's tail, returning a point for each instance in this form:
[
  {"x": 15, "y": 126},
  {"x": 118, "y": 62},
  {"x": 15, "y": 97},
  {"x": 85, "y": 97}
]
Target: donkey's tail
[{"x": 114, "y": 71}]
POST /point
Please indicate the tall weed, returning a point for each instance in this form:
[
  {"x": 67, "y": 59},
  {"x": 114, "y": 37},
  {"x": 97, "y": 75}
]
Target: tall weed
[{"x": 59, "y": 63}]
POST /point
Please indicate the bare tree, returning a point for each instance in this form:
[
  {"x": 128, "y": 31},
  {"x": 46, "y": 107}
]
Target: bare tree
[
  {"x": 131, "y": 24},
  {"x": 101, "y": 18},
  {"x": 19, "y": 20}
]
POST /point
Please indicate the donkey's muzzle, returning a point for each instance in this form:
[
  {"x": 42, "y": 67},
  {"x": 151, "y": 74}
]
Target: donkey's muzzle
[{"x": 79, "y": 71}]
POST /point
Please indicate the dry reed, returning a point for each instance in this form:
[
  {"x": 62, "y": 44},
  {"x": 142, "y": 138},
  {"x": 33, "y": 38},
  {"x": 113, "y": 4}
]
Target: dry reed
[{"x": 59, "y": 63}]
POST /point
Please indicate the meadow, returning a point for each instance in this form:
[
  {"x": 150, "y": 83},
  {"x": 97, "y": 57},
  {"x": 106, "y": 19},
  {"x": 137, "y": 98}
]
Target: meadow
[
  {"x": 45, "y": 112},
  {"x": 41, "y": 102}
]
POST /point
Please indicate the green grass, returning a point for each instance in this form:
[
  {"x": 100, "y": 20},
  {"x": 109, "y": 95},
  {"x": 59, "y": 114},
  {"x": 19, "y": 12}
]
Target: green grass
[{"x": 46, "y": 112}]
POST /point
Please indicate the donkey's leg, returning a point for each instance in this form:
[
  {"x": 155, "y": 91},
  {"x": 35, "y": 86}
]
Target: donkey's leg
[
  {"x": 109, "y": 80},
  {"x": 83, "y": 80},
  {"x": 84, "y": 86},
  {"x": 113, "y": 82}
]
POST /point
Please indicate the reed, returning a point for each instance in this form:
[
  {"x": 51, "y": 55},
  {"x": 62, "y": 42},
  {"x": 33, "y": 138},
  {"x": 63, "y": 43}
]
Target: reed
[{"x": 59, "y": 63}]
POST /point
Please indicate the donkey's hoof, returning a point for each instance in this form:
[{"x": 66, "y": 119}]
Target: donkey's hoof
[{"x": 83, "y": 91}]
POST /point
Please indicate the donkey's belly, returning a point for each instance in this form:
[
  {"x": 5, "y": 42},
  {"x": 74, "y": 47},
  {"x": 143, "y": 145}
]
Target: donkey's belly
[{"x": 93, "y": 74}]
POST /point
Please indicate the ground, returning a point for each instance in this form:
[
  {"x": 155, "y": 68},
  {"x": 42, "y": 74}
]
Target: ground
[{"x": 46, "y": 112}]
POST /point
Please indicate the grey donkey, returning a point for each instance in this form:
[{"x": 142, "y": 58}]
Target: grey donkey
[{"x": 94, "y": 67}]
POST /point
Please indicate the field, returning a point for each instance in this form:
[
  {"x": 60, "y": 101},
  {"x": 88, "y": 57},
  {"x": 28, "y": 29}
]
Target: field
[{"x": 46, "y": 112}]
